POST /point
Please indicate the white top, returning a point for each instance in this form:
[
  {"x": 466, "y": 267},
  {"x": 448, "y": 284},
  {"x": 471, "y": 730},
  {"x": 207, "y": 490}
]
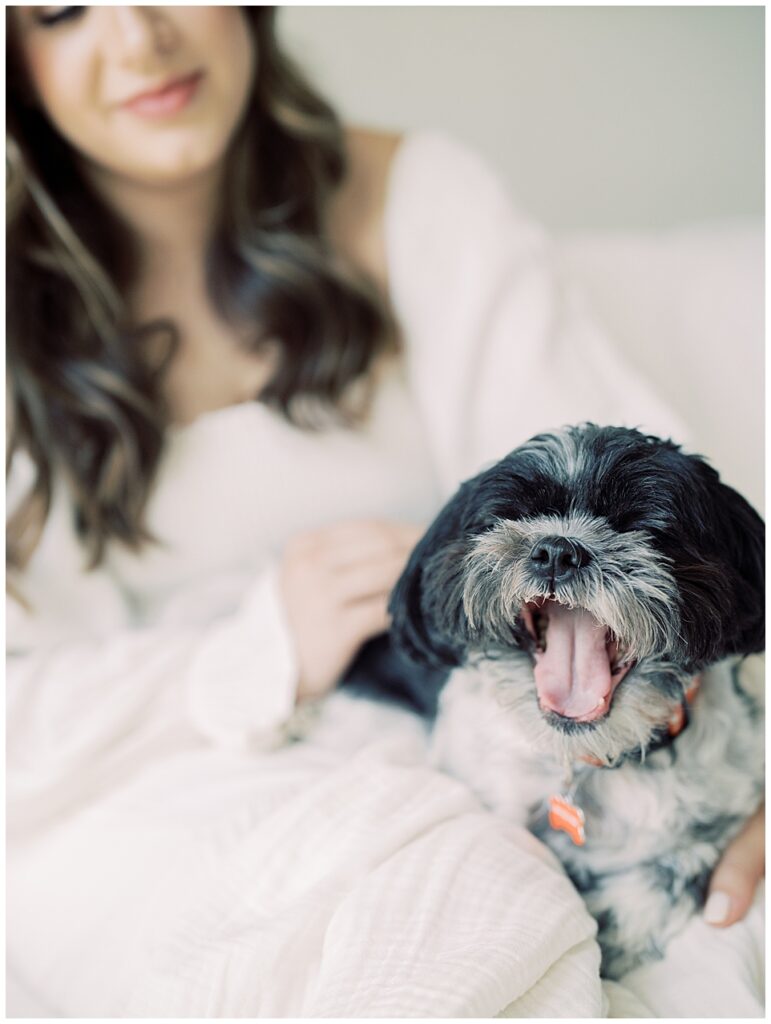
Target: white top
[{"x": 496, "y": 350}]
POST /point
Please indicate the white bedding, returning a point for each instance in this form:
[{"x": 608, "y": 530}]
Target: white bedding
[
  {"x": 319, "y": 880},
  {"x": 332, "y": 879}
]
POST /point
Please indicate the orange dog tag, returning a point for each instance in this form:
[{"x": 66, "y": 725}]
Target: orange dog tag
[{"x": 564, "y": 816}]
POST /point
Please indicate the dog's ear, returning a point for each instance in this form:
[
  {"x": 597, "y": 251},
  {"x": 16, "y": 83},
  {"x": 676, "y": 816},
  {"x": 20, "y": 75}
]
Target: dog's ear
[
  {"x": 428, "y": 623},
  {"x": 723, "y": 609},
  {"x": 745, "y": 538}
]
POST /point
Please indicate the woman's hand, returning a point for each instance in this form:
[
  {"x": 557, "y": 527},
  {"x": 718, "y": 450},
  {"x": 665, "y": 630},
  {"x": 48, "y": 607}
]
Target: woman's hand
[
  {"x": 335, "y": 584},
  {"x": 734, "y": 880}
]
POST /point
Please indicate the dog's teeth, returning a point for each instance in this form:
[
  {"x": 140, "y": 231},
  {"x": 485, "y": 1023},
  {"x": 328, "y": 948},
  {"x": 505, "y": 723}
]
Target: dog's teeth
[{"x": 600, "y": 703}]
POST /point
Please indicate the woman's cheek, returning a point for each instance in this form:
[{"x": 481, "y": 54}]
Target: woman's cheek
[
  {"x": 64, "y": 80},
  {"x": 223, "y": 35}
]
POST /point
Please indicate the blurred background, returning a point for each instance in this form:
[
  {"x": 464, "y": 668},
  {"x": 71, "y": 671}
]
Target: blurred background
[
  {"x": 635, "y": 134},
  {"x": 600, "y": 117}
]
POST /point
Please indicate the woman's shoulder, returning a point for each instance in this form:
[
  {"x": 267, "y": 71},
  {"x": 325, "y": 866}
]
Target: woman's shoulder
[
  {"x": 356, "y": 217},
  {"x": 422, "y": 179},
  {"x": 452, "y": 223},
  {"x": 448, "y": 191}
]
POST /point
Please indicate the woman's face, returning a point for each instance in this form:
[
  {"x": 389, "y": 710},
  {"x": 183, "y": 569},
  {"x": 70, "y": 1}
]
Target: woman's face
[{"x": 152, "y": 94}]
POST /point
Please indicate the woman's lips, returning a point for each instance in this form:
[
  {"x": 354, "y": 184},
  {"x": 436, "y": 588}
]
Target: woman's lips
[{"x": 169, "y": 99}]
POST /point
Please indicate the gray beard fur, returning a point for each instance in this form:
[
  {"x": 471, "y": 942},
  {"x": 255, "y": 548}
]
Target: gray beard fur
[
  {"x": 642, "y": 705},
  {"x": 626, "y": 586}
]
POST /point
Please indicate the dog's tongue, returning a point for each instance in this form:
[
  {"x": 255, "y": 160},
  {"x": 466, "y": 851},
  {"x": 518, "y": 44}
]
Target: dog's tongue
[{"x": 573, "y": 675}]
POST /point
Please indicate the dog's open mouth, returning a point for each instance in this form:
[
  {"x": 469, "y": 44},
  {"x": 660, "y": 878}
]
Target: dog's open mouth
[{"x": 578, "y": 661}]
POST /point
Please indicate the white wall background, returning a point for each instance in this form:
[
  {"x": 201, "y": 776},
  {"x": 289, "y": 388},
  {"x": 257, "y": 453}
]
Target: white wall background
[{"x": 601, "y": 117}]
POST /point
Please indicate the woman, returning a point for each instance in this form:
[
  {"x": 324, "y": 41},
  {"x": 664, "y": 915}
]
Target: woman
[{"x": 191, "y": 228}]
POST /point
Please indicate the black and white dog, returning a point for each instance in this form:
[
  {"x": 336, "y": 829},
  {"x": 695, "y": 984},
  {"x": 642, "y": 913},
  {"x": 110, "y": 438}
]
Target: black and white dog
[{"x": 576, "y": 618}]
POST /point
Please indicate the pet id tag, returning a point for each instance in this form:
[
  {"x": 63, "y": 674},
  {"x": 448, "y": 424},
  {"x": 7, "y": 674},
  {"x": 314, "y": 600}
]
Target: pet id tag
[{"x": 564, "y": 816}]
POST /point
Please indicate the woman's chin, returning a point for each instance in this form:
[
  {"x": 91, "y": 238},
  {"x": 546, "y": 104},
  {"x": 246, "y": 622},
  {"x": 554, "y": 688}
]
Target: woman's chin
[{"x": 176, "y": 162}]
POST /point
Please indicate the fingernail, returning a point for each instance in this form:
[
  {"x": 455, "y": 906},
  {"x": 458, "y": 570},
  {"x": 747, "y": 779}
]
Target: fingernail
[{"x": 717, "y": 907}]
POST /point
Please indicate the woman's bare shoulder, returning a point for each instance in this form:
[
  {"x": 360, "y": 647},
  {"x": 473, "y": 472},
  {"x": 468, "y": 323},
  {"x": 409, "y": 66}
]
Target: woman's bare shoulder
[
  {"x": 371, "y": 148},
  {"x": 357, "y": 211}
]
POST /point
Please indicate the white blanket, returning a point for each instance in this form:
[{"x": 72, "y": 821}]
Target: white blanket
[
  {"x": 332, "y": 878},
  {"x": 313, "y": 881}
]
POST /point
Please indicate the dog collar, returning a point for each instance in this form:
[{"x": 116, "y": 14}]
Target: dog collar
[{"x": 567, "y": 816}]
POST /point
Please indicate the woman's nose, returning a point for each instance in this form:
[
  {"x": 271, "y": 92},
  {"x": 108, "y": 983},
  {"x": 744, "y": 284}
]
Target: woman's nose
[{"x": 138, "y": 34}]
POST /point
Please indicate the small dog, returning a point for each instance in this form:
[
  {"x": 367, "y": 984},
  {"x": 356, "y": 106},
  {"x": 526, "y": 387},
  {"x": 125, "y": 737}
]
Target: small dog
[{"x": 576, "y": 618}]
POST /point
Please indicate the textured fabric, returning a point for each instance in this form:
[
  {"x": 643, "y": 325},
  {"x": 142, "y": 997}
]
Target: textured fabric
[
  {"x": 338, "y": 877},
  {"x": 234, "y": 486},
  {"x": 161, "y": 861}
]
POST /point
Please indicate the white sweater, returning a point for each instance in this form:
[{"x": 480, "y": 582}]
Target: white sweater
[{"x": 187, "y": 643}]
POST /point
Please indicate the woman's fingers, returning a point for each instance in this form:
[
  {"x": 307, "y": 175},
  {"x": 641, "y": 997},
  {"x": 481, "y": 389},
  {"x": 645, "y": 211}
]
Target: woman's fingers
[
  {"x": 348, "y": 544},
  {"x": 734, "y": 880},
  {"x": 368, "y": 617},
  {"x": 373, "y": 578},
  {"x": 335, "y": 585}
]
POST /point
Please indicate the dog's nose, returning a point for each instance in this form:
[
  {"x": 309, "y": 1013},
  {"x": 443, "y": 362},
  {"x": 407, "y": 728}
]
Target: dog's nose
[{"x": 558, "y": 558}]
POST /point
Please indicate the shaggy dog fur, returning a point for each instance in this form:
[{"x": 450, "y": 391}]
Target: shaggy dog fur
[{"x": 553, "y": 618}]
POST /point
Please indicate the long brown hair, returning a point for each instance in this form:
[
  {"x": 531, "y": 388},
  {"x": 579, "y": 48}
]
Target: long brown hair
[{"x": 85, "y": 397}]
